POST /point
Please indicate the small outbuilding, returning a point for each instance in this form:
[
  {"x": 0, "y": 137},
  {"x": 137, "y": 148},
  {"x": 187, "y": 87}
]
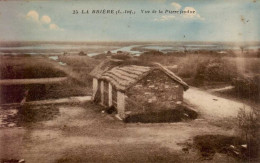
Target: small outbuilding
[{"x": 133, "y": 89}]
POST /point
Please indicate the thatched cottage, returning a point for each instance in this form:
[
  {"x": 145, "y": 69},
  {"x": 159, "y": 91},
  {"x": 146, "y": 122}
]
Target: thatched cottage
[{"x": 134, "y": 88}]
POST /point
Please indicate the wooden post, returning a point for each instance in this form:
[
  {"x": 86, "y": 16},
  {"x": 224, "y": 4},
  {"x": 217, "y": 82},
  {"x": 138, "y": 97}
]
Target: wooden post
[
  {"x": 102, "y": 92},
  {"x": 109, "y": 95},
  {"x": 95, "y": 88},
  {"x": 121, "y": 104}
]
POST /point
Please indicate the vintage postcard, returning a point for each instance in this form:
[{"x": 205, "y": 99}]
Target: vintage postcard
[{"x": 129, "y": 81}]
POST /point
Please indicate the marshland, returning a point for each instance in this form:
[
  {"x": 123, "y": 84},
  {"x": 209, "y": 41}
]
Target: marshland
[{"x": 223, "y": 96}]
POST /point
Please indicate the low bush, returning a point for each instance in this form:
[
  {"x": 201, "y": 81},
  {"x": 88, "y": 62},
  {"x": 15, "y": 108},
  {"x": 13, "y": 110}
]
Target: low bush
[
  {"x": 248, "y": 86},
  {"x": 208, "y": 145},
  {"x": 121, "y": 56},
  {"x": 26, "y": 72},
  {"x": 248, "y": 125}
]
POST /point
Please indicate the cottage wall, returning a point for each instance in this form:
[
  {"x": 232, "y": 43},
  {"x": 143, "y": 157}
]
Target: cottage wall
[
  {"x": 95, "y": 87},
  {"x": 121, "y": 104},
  {"x": 155, "y": 91},
  {"x": 97, "y": 96},
  {"x": 114, "y": 96},
  {"x": 110, "y": 101},
  {"x": 102, "y": 92},
  {"x": 106, "y": 93}
]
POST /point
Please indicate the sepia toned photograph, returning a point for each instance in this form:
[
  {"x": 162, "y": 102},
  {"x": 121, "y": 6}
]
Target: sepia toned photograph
[{"x": 131, "y": 81}]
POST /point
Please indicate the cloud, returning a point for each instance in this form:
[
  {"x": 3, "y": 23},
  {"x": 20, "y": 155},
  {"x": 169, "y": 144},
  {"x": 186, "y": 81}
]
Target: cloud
[
  {"x": 191, "y": 13},
  {"x": 177, "y": 6},
  {"x": 55, "y": 27},
  {"x": 165, "y": 18},
  {"x": 46, "y": 19},
  {"x": 33, "y": 15},
  {"x": 186, "y": 13}
]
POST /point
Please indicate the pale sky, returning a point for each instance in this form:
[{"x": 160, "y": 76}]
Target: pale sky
[{"x": 214, "y": 20}]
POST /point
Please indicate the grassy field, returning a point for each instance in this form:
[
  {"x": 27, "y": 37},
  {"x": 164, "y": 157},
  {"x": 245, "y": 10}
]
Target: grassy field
[{"x": 16, "y": 67}]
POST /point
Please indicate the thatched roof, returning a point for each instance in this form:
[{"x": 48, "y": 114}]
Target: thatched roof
[{"x": 125, "y": 76}]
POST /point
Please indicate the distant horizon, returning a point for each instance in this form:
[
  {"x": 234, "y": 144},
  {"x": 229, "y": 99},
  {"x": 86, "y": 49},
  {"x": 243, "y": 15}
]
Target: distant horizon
[{"x": 102, "y": 41}]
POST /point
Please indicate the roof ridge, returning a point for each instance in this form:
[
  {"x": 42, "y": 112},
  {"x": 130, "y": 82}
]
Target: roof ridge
[{"x": 172, "y": 75}]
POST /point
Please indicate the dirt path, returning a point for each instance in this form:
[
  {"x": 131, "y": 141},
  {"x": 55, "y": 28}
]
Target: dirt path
[
  {"x": 210, "y": 105},
  {"x": 83, "y": 134},
  {"x": 222, "y": 89}
]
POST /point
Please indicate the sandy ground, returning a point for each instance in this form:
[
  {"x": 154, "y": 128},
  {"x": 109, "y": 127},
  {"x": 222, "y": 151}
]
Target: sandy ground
[
  {"x": 211, "y": 106},
  {"x": 81, "y": 134}
]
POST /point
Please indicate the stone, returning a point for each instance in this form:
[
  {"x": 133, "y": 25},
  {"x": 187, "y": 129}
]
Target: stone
[
  {"x": 179, "y": 102},
  {"x": 11, "y": 125},
  {"x": 152, "y": 99},
  {"x": 128, "y": 112},
  {"x": 118, "y": 117}
]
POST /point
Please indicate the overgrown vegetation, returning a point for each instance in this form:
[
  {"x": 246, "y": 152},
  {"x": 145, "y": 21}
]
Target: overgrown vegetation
[
  {"x": 15, "y": 93},
  {"x": 249, "y": 125},
  {"x": 81, "y": 65},
  {"x": 208, "y": 145},
  {"x": 244, "y": 147},
  {"x": 27, "y": 67},
  {"x": 205, "y": 68},
  {"x": 247, "y": 86}
]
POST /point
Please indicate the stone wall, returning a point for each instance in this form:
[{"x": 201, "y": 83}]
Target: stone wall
[{"x": 154, "y": 92}]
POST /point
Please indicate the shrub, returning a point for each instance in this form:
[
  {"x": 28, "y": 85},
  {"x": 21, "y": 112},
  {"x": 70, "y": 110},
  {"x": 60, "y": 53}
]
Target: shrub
[
  {"x": 219, "y": 70},
  {"x": 248, "y": 86},
  {"x": 248, "y": 125},
  {"x": 81, "y": 53},
  {"x": 208, "y": 145},
  {"x": 28, "y": 71},
  {"x": 153, "y": 53},
  {"x": 121, "y": 56}
]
